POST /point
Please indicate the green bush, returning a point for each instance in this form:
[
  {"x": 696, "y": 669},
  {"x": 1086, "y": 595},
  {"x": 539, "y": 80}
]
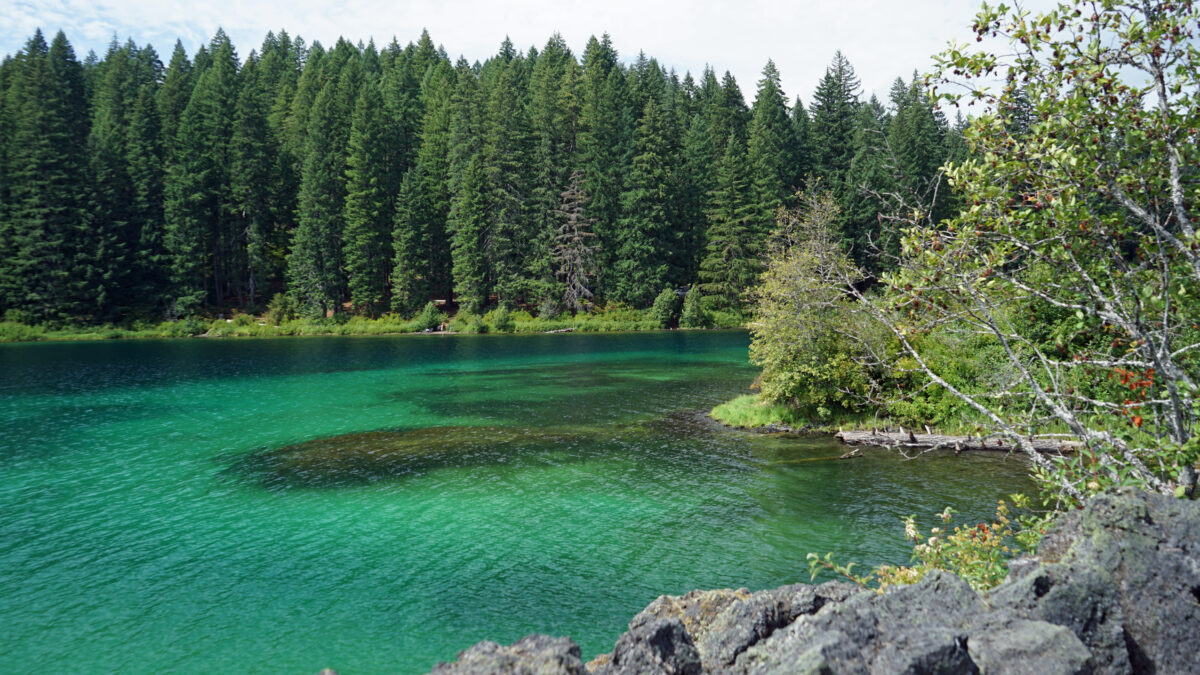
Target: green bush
[
  {"x": 281, "y": 309},
  {"x": 664, "y": 308},
  {"x": 694, "y": 315},
  {"x": 468, "y": 323},
  {"x": 500, "y": 320},
  {"x": 430, "y": 318},
  {"x": 13, "y": 331}
]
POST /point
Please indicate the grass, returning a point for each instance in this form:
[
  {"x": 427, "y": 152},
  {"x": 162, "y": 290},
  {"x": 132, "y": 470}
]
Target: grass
[
  {"x": 751, "y": 412},
  {"x": 615, "y": 318}
]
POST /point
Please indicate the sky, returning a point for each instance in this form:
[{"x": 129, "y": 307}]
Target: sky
[{"x": 883, "y": 39}]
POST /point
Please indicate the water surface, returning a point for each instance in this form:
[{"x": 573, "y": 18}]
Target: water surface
[{"x": 377, "y": 504}]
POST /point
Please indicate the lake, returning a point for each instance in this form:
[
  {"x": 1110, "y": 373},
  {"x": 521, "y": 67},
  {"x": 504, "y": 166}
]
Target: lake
[{"x": 375, "y": 505}]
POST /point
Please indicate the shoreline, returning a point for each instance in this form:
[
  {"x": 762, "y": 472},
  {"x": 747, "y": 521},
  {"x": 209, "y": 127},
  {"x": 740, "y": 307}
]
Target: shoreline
[{"x": 334, "y": 330}]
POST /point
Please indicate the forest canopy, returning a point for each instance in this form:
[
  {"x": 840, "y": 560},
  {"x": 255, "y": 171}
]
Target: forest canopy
[{"x": 364, "y": 180}]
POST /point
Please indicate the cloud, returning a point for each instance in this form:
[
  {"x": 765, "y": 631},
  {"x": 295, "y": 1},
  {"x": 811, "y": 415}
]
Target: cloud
[{"x": 883, "y": 40}]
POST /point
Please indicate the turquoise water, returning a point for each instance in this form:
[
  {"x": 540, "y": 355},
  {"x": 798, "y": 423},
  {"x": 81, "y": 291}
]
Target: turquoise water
[{"x": 375, "y": 505}]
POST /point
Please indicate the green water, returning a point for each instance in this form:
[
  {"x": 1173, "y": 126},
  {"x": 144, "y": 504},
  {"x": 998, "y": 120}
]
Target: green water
[{"x": 184, "y": 506}]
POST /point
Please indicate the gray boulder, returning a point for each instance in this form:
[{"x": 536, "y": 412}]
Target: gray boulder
[
  {"x": 1123, "y": 574},
  {"x": 658, "y": 646},
  {"x": 531, "y": 655}
]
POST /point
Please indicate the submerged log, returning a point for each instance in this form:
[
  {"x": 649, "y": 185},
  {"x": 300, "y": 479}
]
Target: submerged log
[{"x": 909, "y": 440}]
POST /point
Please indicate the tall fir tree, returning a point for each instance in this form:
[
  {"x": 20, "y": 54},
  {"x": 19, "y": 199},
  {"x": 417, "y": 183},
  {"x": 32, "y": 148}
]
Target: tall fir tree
[
  {"x": 199, "y": 229},
  {"x": 506, "y": 164},
  {"x": 771, "y": 151},
  {"x": 641, "y": 255},
  {"x": 468, "y": 250},
  {"x": 48, "y": 269},
  {"x": 370, "y": 204},
  {"x": 731, "y": 264},
  {"x": 834, "y": 121}
]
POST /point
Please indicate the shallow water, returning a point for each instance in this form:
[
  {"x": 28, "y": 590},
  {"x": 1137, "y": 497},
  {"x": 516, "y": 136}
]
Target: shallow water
[{"x": 377, "y": 504}]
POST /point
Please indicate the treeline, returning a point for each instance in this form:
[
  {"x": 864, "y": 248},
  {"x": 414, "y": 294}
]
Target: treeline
[{"x": 366, "y": 180}]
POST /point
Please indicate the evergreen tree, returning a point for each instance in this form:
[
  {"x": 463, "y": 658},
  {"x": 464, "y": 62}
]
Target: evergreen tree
[
  {"x": 426, "y": 205},
  {"x": 315, "y": 263},
  {"x": 605, "y": 148},
  {"x": 833, "y": 124},
  {"x": 470, "y": 215},
  {"x": 252, "y": 180},
  {"x": 411, "y": 269},
  {"x": 370, "y": 204},
  {"x": 199, "y": 229},
  {"x": 802, "y": 161},
  {"x": 149, "y": 280},
  {"x": 641, "y": 261},
  {"x": 575, "y": 249},
  {"x": 730, "y": 264},
  {"x": 870, "y": 178},
  {"x": 506, "y": 164},
  {"x": 771, "y": 149},
  {"x": 173, "y": 97},
  {"x": 49, "y": 264},
  {"x": 554, "y": 111}
]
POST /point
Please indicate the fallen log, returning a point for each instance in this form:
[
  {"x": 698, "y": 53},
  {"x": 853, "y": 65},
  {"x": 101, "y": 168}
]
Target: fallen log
[{"x": 909, "y": 440}]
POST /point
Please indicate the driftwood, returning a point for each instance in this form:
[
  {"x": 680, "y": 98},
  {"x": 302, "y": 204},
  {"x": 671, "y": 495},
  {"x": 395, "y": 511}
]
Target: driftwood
[
  {"x": 908, "y": 440},
  {"x": 560, "y": 330}
]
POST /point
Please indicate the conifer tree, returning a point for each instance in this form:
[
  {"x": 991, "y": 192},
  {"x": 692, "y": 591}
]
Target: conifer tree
[
  {"x": 315, "y": 264},
  {"x": 198, "y": 223},
  {"x": 470, "y": 215},
  {"x": 833, "y": 122},
  {"x": 771, "y": 149},
  {"x": 426, "y": 205},
  {"x": 506, "y": 164},
  {"x": 253, "y": 153},
  {"x": 173, "y": 97},
  {"x": 49, "y": 262},
  {"x": 149, "y": 280},
  {"x": 411, "y": 276},
  {"x": 730, "y": 264},
  {"x": 641, "y": 261},
  {"x": 554, "y": 110},
  {"x": 605, "y": 147},
  {"x": 575, "y": 249},
  {"x": 370, "y": 204}
]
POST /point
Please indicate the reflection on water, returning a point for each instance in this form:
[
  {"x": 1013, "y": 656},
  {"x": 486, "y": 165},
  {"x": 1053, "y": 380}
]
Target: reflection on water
[{"x": 376, "y": 504}]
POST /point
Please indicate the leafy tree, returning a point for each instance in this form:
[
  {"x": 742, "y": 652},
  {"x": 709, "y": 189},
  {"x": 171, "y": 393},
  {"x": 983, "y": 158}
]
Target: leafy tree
[
  {"x": 665, "y": 306},
  {"x": 1078, "y": 252},
  {"x": 805, "y": 333}
]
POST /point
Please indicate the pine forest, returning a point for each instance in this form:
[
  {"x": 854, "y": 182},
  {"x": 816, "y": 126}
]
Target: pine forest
[{"x": 355, "y": 180}]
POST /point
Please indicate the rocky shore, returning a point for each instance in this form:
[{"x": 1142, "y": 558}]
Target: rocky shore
[{"x": 1115, "y": 589}]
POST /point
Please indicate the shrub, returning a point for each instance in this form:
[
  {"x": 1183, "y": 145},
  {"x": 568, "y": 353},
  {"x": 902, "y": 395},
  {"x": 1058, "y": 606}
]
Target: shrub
[
  {"x": 466, "y": 322},
  {"x": 13, "y": 331},
  {"x": 429, "y": 318},
  {"x": 664, "y": 308},
  {"x": 500, "y": 320},
  {"x": 694, "y": 315},
  {"x": 281, "y": 309}
]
